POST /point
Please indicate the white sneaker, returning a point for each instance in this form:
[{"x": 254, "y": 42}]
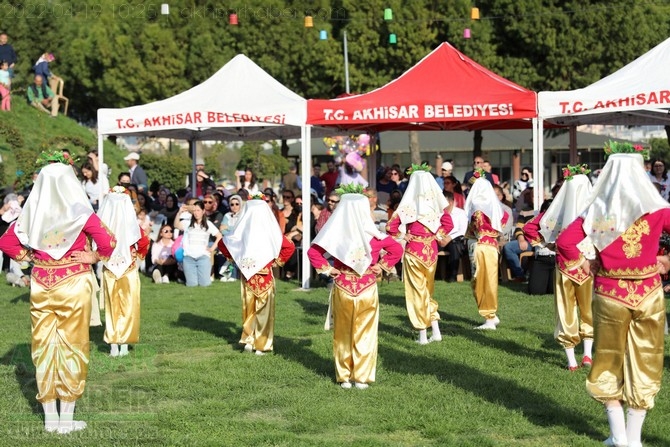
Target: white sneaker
[
  {"x": 345, "y": 385},
  {"x": 70, "y": 427},
  {"x": 361, "y": 386},
  {"x": 435, "y": 338},
  {"x": 259, "y": 352},
  {"x": 166, "y": 280},
  {"x": 248, "y": 348},
  {"x": 156, "y": 275},
  {"x": 611, "y": 442},
  {"x": 496, "y": 320},
  {"x": 488, "y": 326}
]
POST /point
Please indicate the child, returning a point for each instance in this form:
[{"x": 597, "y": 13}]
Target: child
[{"x": 5, "y": 86}]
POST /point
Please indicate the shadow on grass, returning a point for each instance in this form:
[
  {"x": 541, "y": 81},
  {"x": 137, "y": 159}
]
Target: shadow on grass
[
  {"x": 536, "y": 408},
  {"x": 313, "y": 308},
  {"x": 221, "y": 329},
  {"x": 24, "y": 371},
  {"x": 25, "y": 298},
  {"x": 392, "y": 300},
  {"x": 298, "y": 350}
]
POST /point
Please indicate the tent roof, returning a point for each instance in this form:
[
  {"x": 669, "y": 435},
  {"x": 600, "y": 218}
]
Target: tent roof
[
  {"x": 637, "y": 94},
  {"x": 444, "y": 91},
  {"x": 239, "y": 102}
]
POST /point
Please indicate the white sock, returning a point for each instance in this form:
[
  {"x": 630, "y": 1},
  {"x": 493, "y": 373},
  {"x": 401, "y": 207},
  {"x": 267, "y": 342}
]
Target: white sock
[
  {"x": 588, "y": 347},
  {"x": 50, "y": 416},
  {"x": 570, "y": 352},
  {"x": 617, "y": 423},
  {"x": 635, "y": 419},
  {"x": 435, "y": 325},
  {"x": 114, "y": 352},
  {"x": 423, "y": 338},
  {"x": 124, "y": 350}
]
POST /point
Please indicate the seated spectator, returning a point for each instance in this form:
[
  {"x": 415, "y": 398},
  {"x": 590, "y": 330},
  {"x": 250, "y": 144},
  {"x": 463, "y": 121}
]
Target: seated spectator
[
  {"x": 517, "y": 245},
  {"x": 163, "y": 264},
  {"x": 42, "y": 97},
  {"x": 507, "y": 230},
  {"x": 452, "y": 185},
  {"x": 456, "y": 244},
  {"x": 542, "y": 270}
]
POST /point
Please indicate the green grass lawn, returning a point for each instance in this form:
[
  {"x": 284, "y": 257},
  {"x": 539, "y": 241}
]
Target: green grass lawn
[{"x": 188, "y": 383}]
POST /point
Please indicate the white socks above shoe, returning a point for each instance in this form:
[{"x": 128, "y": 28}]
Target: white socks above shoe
[
  {"x": 489, "y": 324},
  {"x": 423, "y": 338},
  {"x": 634, "y": 421},
  {"x": 436, "y": 336},
  {"x": 124, "y": 350},
  {"x": 67, "y": 424},
  {"x": 50, "y": 416},
  {"x": 114, "y": 352},
  {"x": 617, "y": 424},
  {"x": 570, "y": 353},
  {"x": 588, "y": 347}
]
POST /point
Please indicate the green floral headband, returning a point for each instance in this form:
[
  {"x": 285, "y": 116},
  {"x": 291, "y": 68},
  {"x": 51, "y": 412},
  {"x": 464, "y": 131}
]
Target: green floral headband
[
  {"x": 351, "y": 188},
  {"x": 615, "y": 147},
  {"x": 477, "y": 173},
  {"x": 53, "y": 156},
  {"x": 570, "y": 171},
  {"x": 416, "y": 168}
]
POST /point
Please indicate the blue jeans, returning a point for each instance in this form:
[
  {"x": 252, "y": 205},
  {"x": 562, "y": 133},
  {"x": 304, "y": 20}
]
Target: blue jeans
[
  {"x": 511, "y": 251},
  {"x": 197, "y": 271}
]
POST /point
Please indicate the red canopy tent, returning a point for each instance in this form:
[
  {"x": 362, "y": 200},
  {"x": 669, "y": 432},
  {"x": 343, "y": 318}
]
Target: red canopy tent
[{"x": 446, "y": 90}]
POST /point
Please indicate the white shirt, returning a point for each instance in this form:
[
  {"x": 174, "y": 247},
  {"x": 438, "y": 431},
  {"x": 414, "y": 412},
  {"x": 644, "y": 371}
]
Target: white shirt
[
  {"x": 460, "y": 220},
  {"x": 196, "y": 239}
]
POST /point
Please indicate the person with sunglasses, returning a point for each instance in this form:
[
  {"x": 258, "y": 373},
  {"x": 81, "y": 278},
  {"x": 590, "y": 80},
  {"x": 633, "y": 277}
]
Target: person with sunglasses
[
  {"x": 164, "y": 265},
  {"x": 228, "y": 271},
  {"x": 331, "y": 204}
]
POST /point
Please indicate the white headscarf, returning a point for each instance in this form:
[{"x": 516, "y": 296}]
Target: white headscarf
[
  {"x": 422, "y": 201},
  {"x": 55, "y": 212},
  {"x": 566, "y": 207},
  {"x": 118, "y": 213},
  {"x": 256, "y": 238},
  {"x": 622, "y": 194},
  {"x": 348, "y": 232},
  {"x": 483, "y": 198}
]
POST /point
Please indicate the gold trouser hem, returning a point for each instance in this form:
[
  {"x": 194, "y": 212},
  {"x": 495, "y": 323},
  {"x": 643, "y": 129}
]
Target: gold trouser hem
[
  {"x": 258, "y": 318},
  {"x": 419, "y": 287},
  {"x": 485, "y": 280},
  {"x": 122, "y": 304},
  {"x": 572, "y": 306}
]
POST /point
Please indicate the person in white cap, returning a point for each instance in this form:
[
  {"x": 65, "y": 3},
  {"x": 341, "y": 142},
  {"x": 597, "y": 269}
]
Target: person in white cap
[
  {"x": 137, "y": 175},
  {"x": 616, "y": 239},
  {"x": 423, "y": 221},
  {"x": 256, "y": 244},
  {"x": 351, "y": 237},
  {"x": 572, "y": 287},
  {"x": 447, "y": 169},
  {"x": 52, "y": 231},
  {"x": 486, "y": 219},
  {"x": 121, "y": 279}
]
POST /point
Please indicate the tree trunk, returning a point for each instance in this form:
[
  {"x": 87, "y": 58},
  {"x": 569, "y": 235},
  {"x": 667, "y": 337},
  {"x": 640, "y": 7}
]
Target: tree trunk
[
  {"x": 414, "y": 148},
  {"x": 284, "y": 149},
  {"x": 477, "y": 144},
  {"x": 667, "y": 133}
]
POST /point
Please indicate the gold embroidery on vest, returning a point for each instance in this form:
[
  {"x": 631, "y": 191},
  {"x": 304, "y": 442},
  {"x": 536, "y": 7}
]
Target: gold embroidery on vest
[{"x": 631, "y": 238}]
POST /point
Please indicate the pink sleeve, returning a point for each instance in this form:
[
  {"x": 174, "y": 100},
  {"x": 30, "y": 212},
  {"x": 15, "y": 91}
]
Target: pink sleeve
[
  {"x": 99, "y": 232},
  {"x": 531, "y": 230},
  {"x": 566, "y": 243},
  {"x": 316, "y": 258},
  {"x": 393, "y": 225},
  {"x": 10, "y": 244}
]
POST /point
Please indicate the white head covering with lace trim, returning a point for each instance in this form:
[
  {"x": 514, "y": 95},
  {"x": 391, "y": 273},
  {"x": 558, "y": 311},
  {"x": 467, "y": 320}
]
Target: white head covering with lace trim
[
  {"x": 348, "y": 232},
  {"x": 55, "y": 212},
  {"x": 566, "y": 206},
  {"x": 422, "y": 201},
  {"x": 118, "y": 213},
  {"x": 256, "y": 238},
  {"x": 622, "y": 194},
  {"x": 482, "y": 197}
]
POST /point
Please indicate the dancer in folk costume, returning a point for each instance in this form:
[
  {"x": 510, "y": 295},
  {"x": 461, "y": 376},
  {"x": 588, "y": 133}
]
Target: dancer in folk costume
[
  {"x": 486, "y": 219},
  {"x": 53, "y": 231},
  {"x": 121, "y": 279},
  {"x": 620, "y": 228},
  {"x": 422, "y": 220},
  {"x": 572, "y": 287},
  {"x": 256, "y": 244},
  {"x": 351, "y": 237}
]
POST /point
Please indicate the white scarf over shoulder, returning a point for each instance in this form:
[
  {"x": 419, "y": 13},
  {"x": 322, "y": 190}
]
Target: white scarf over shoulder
[
  {"x": 482, "y": 197},
  {"x": 566, "y": 207},
  {"x": 422, "y": 201},
  {"x": 117, "y": 212}
]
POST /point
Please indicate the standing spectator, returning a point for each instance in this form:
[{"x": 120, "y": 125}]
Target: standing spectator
[
  {"x": 137, "y": 175},
  {"x": 421, "y": 220},
  {"x": 385, "y": 183},
  {"x": 197, "y": 255},
  {"x": 163, "y": 263},
  {"x": 352, "y": 238},
  {"x": 292, "y": 230},
  {"x": 486, "y": 218},
  {"x": 487, "y": 167},
  {"x": 628, "y": 304},
  {"x": 524, "y": 182},
  {"x": 573, "y": 287},
  {"x": 41, "y": 68},
  {"x": 329, "y": 177},
  {"x": 102, "y": 169},
  {"x": 447, "y": 169},
  {"x": 202, "y": 183},
  {"x": 42, "y": 97},
  {"x": 452, "y": 185},
  {"x": 7, "y": 53},
  {"x": 316, "y": 183},
  {"x": 378, "y": 213},
  {"x": 121, "y": 284},
  {"x": 477, "y": 163},
  {"x": 659, "y": 174},
  {"x": 397, "y": 177},
  {"x": 248, "y": 182},
  {"x": 62, "y": 284},
  {"x": 331, "y": 204},
  {"x": 256, "y": 245},
  {"x": 350, "y": 170},
  {"x": 5, "y": 86},
  {"x": 291, "y": 181},
  {"x": 91, "y": 184}
]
